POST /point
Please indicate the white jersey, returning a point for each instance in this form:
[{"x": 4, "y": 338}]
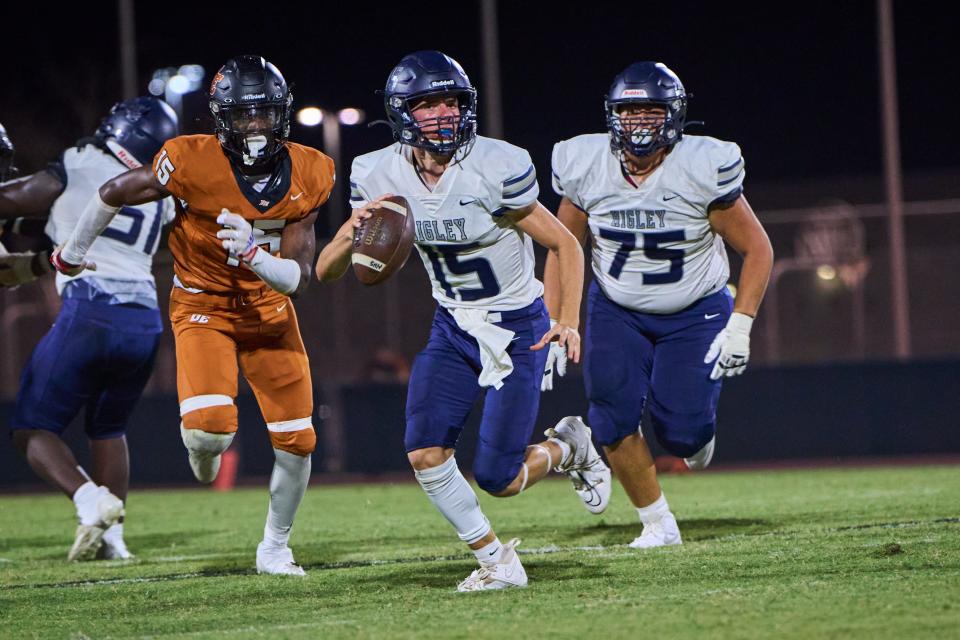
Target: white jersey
[
  {"x": 124, "y": 251},
  {"x": 474, "y": 257},
  {"x": 653, "y": 248}
]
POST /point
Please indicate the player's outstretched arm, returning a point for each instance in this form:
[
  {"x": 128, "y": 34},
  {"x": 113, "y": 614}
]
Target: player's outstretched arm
[
  {"x": 133, "y": 187},
  {"x": 29, "y": 197},
  {"x": 334, "y": 259},
  {"x": 575, "y": 221},
  {"x": 738, "y": 226},
  {"x": 546, "y": 230}
]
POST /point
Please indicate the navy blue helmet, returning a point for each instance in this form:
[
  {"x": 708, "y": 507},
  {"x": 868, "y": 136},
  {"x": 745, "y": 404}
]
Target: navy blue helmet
[
  {"x": 646, "y": 83},
  {"x": 251, "y": 103},
  {"x": 136, "y": 129},
  {"x": 7, "y": 170},
  {"x": 431, "y": 73}
]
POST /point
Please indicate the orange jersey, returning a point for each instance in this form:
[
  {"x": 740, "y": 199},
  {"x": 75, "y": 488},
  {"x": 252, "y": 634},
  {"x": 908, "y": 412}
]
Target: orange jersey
[{"x": 198, "y": 173}]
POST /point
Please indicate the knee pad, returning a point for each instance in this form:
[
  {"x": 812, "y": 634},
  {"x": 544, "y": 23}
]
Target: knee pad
[
  {"x": 293, "y": 436},
  {"x": 494, "y": 470},
  {"x": 682, "y": 436},
  {"x": 204, "y": 443},
  {"x": 610, "y": 426},
  {"x": 212, "y": 413}
]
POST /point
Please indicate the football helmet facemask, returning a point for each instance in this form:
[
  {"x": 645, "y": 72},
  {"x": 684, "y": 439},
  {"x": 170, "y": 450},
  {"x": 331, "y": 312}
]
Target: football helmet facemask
[{"x": 646, "y": 84}]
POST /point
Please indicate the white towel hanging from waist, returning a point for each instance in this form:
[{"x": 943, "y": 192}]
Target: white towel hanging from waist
[{"x": 493, "y": 341}]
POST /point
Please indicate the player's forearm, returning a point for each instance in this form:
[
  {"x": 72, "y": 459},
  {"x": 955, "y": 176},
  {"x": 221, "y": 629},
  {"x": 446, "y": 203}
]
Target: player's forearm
[
  {"x": 551, "y": 285},
  {"x": 283, "y": 275},
  {"x": 569, "y": 257},
  {"x": 334, "y": 259},
  {"x": 757, "y": 263},
  {"x": 95, "y": 218}
]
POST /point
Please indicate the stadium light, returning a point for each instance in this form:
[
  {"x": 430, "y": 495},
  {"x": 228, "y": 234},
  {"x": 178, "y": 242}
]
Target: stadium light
[
  {"x": 310, "y": 116},
  {"x": 350, "y": 116},
  {"x": 826, "y": 272},
  {"x": 174, "y": 82},
  {"x": 178, "y": 84}
]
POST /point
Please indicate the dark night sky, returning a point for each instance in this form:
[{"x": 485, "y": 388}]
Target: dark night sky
[{"x": 798, "y": 89}]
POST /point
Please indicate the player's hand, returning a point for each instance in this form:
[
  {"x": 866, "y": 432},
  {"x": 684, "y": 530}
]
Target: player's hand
[
  {"x": 67, "y": 268},
  {"x": 366, "y": 210},
  {"x": 566, "y": 337},
  {"x": 731, "y": 348},
  {"x": 237, "y": 235},
  {"x": 556, "y": 361}
]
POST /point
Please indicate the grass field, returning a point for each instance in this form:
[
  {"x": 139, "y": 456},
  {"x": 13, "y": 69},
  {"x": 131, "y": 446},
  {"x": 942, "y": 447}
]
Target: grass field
[{"x": 843, "y": 553}]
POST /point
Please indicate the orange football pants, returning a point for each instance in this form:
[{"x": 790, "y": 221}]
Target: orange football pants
[{"x": 258, "y": 330}]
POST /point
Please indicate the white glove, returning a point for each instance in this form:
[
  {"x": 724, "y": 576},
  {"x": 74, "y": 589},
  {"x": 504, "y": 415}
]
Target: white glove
[
  {"x": 556, "y": 360},
  {"x": 237, "y": 236},
  {"x": 732, "y": 345}
]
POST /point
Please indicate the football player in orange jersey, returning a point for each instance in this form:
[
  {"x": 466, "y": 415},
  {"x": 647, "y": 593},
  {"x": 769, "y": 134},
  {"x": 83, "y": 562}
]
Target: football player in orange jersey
[{"x": 242, "y": 243}]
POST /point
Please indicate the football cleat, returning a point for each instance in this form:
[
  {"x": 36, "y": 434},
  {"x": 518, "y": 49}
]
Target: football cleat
[
  {"x": 277, "y": 561},
  {"x": 576, "y": 434},
  {"x": 593, "y": 484},
  {"x": 585, "y": 468},
  {"x": 89, "y": 537},
  {"x": 662, "y": 533},
  {"x": 506, "y": 573},
  {"x": 702, "y": 458}
]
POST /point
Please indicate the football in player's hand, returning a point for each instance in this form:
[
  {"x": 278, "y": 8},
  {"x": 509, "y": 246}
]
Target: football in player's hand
[{"x": 383, "y": 242}]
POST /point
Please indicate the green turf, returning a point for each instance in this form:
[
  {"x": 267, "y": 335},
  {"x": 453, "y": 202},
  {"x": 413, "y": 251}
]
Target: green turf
[{"x": 795, "y": 554}]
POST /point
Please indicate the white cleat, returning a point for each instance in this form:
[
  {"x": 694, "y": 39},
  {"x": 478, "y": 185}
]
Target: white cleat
[
  {"x": 277, "y": 561},
  {"x": 576, "y": 434},
  {"x": 586, "y": 469},
  {"x": 662, "y": 533},
  {"x": 89, "y": 537},
  {"x": 702, "y": 458},
  {"x": 506, "y": 574},
  {"x": 593, "y": 485}
]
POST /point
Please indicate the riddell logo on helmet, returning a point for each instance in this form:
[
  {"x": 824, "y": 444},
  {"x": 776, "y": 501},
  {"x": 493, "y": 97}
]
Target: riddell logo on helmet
[
  {"x": 443, "y": 83},
  {"x": 253, "y": 96},
  {"x": 634, "y": 93}
]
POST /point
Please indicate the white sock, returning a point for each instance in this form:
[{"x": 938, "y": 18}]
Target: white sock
[
  {"x": 490, "y": 553},
  {"x": 654, "y": 511},
  {"x": 288, "y": 482},
  {"x": 564, "y": 449},
  {"x": 86, "y": 500},
  {"x": 114, "y": 534},
  {"x": 453, "y": 496}
]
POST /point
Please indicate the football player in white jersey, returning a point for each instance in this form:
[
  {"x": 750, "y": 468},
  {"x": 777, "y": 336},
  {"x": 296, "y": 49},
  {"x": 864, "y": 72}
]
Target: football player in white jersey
[
  {"x": 662, "y": 328},
  {"x": 474, "y": 200},
  {"x": 99, "y": 354}
]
